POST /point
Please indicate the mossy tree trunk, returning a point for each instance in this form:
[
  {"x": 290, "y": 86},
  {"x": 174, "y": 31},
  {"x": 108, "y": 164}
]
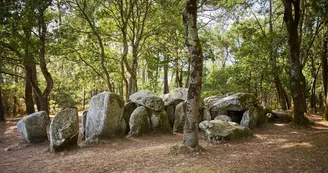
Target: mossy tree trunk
[
  {"x": 190, "y": 136},
  {"x": 297, "y": 79}
]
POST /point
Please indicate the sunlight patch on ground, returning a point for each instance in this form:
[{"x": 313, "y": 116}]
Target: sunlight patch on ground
[
  {"x": 9, "y": 130},
  {"x": 293, "y": 144},
  {"x": 280, "y": 124}
]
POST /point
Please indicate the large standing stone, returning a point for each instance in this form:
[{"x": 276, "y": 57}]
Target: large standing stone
[
  {"x": 64, "y": 129},
  {"x": 128, "y": 109},
  {"x": 33, "y": 127},
  {"x": 105, "y": 117},
  {"x": 253, "y": 117},
  {"x": 234, "y": 102},
  {"x": 139, "y": 122},
  {"x": 160, "y": 122},
  {"x": 283, "y": 116},
  {"x": 170, "y": 111},
  {"x": 219, "y": 131},
  {"x": 180, "y": 117}
]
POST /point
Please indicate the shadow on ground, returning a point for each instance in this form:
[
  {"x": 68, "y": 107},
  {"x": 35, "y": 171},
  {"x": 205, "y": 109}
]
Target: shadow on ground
[{"x": 274, "y": 148}]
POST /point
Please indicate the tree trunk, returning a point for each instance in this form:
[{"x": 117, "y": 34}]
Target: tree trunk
[
  {"x": 314, "y": 72},
  {"x": 313, "y": 96},
  {"x": 28, "y": 65},
  {"x": 188, "y": 73},
  {"x": 320, "y": 101},
  {"x": 83, "y": 101},
  {"x": 177, "y": 72},
  {"x": 324, "y": 57},
  {"x": 273, "y": 59},
  {"x": 43, "y": 96},
  {"x": 281, "y": 95},
  {"x": 190, "y": 135},
  {"x": 166, "y": 80},
  {"x": 134, "y": 80},
  {"x": 2, "y": 108},
  {"x": 291, "y": 18},
  {"x": 249, "y": 82},
  {"x": 35, "y": 95},
  {"x": 156, "y": 76},
  {"x": 181, "y": 78}
]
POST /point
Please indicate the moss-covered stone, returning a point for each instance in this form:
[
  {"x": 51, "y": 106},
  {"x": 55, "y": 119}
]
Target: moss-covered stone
[
  {"x": 234, "y": 102},
  {"x": 105, "y": 117},
  {"x": 219, "y": 131},
  {"x": 64, "y": 130},
  {"x": 160, "y": 122},
  {"x": 139, "y": 122},
  {"x": 180, "y": 117},
  {"x": 33, "y": 127}
]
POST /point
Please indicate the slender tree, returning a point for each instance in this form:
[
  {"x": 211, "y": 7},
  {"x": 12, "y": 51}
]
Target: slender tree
[
  {"x": 324, "y": 57},
  {"x": 190, "y": 136},
  {"x": 2, "y": 108},
  {"x": 273, "y": 59}
]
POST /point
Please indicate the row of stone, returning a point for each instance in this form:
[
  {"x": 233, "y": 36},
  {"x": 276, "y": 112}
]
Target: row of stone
[
  {"x": 106, "y": 118},
  {"x": 145, "y": 112}
]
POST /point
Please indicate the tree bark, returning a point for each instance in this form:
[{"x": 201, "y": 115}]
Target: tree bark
[
  {"x": 279, "y": 88},
  {"x": 28, "y": 91},
  {"x": 190, "y": 135},
  {"x": 314, "y": 73},
  {"x": 324, "y": 57},
  {"x": 166, "y": 71},
  {"x": 28, "y": 65},
  {"x": 83, "y": 101},
  {"x": 177, "y": 72},
  {"x": 126, "y": 83},
  {"x": 2, "y": 108},
  {"x": 188, "y": 73},
  {"x": 292, "y": 18}
]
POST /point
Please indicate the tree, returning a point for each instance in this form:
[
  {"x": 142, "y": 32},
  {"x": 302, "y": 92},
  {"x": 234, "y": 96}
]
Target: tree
[
  {"x": 2, "y": 108},
  {"x": 190, "y": 134},
  {"x": 324, "y": 57},
  {"x": 297, "y": 79}
]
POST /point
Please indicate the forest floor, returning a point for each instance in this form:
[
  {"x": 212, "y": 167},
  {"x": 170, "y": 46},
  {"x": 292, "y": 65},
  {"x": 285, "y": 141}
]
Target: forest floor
[{"x": 273, "y": 148}]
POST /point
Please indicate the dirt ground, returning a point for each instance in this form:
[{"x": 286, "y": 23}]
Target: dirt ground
[{"x": 273, "y": 148}]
